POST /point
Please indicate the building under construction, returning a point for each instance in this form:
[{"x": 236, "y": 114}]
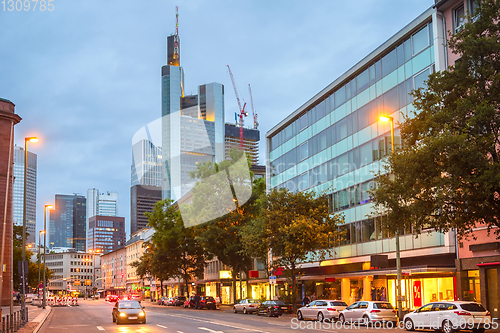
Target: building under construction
[{"x": 251, "y": 139}]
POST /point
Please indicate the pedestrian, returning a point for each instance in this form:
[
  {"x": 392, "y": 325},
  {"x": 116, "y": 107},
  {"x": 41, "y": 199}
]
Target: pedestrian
[
  {"x": 18, "y": 297},
  {"x": 305, "y": 300},
  {"x": 313, "y": 297},
  {"x": 196, "y": 301}
]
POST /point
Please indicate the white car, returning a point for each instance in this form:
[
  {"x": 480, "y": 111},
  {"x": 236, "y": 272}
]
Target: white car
[
  {"x": 369, "y": 312},
  {"x": 246, "y": 306},
  {"x": 321, "y": 310},
  {"x": 450, "y": 316}
]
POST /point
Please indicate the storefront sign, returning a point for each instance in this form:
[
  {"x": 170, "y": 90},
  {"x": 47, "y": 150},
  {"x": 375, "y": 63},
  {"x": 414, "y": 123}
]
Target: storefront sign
[
  {"x": 272, "y": 279},
  {"x": 253, "y": 274},
  {"x": 417, "y": 293},
  {"x": 329, "y": 279}
]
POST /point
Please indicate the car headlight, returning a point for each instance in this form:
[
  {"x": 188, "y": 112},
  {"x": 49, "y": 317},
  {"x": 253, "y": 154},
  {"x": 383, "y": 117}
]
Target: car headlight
[
  {"x": 142, "y": 314},
  {"x": 123, "y": 314}
]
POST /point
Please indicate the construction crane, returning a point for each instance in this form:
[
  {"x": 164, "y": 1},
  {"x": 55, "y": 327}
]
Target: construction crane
[
  {"x": 242, "y": 113},
  {"x": 255, "y": 115}
]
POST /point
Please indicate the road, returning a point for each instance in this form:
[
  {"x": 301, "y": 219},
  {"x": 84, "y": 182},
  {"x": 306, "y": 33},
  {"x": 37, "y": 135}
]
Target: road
[{"x": 95, "y": 316}]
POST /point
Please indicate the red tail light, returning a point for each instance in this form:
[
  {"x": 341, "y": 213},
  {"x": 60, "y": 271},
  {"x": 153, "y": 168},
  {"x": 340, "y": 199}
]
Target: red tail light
[
  {"x": 394, "y": 311},
  {"x": 251, "y": 306},
  {"x": 276, "y": 307},
  {"x": 372, "y": 311},
  {"x": 462, "y": 313},
  {"x": 488, "y": 314},
  {"x": 331, "y": 309}
]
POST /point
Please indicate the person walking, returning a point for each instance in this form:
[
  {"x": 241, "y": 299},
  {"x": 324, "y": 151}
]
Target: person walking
[
  {"x": 305, "y": 300},
  {"x": 196, "y": 301}
]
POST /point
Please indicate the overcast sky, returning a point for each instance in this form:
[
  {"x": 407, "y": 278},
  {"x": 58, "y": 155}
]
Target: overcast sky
[{"x": 86, "y": 76}]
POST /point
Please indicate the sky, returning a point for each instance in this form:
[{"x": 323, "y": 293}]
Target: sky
[{"x": 86, "y": 76}]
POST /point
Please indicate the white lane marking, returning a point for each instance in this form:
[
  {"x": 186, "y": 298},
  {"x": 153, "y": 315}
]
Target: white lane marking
[
  {"x": 209, "y": 330},
  {"x": 180, "y": 332},
  {"x": 214, "y": 322},
  {"x": 100, "y": 328},
  {"x": 161, "y": 326}
]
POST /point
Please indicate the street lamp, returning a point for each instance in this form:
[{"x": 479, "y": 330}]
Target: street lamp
[
  {"x": 23, "y": 279},
  {"x": 44, "y": 253},
  {"x": 398, "y": 254},
  {"x": 39, "y": 253}
]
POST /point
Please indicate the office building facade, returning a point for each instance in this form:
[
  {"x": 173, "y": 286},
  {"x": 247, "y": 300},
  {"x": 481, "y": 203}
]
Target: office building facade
[
  {"x": 67, "y": 224},
  {"x": 103, "y": 204},
  {"x": 251, "y": 139},
  {"x": 142, "y": 199},
  {"x": 146, "y": 166},
  {"x": 192, "y": 126},
  {"x": 335, "y": 141},
  {"x": 106, "y": 233},
  {"x": 30, "y": 192}
]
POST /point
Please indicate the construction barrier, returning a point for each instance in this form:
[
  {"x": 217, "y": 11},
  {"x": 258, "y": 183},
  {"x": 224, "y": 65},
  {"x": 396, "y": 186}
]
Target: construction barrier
[
  {"x": 50, "y": 301},
  {"x": 75, "y": 300}
]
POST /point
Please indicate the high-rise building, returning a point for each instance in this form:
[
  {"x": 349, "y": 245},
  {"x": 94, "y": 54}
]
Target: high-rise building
[
  {"x": 30, "y": 192},
  {"x": 67, "y": 224},
  {"x": 105, "y": 204},
  {"x": 142, "y": 199},
  {"x": 251, "y": 138},
  {"x": 106, "y": 233},
  {"x": 192, "y": 126},
  {"x": 146, "y": 166},
  {"x": 8, "y": 119}
]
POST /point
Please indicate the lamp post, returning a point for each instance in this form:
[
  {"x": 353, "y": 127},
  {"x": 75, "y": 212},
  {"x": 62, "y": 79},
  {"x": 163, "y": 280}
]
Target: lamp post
[
  {"x": 398, "y": 253},
  {"x": 39, "y": 253},
  {"x": 23, "y": 278},
  {"x": 44, "y": 253}
]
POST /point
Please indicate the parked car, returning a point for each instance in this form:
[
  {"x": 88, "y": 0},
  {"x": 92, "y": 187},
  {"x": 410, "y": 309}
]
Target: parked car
[
  {"x": 179, "y": 300},
  {"x": 170, "y": 301},
  {"x": 207, "y": 302},
  {"x": 247, "y": 305},
  {"x": 368, "y": 312},
  {"x": 274, "y": 308},
  {"x": 162, "y": 300},
  {"x": 135, "y": 297},
  {"x": 190, "y": 303},
  {"x": 128, "y": 311},
  {"x": 321, "y": 310},
  {"x": 112, "y": 298},
  {"x": 449, "y": 316}
]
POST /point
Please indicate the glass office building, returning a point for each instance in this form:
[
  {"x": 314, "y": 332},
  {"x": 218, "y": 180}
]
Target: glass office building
[{"x": 336, "y": 143}]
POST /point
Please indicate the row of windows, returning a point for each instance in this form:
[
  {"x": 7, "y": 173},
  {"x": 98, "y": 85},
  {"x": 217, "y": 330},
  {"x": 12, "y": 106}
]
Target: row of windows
[
  {"x": 354, "y": 159},
  {"x": 366, "y": 231},
  {"x": 397, "y": 57},
  {"x": 84, "y": 270},
  {"x": 363, "y": 117}
]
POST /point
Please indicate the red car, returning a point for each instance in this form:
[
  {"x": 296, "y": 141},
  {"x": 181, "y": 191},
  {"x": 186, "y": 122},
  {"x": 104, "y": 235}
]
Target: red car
[{"x": 113, "y": 298}]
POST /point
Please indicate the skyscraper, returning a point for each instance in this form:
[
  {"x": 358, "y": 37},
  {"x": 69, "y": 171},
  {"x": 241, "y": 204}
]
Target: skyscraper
[
  {"x": 142, "y": 199},
  {"x": 106, "y": 233},
  {"x": 192, "y": 126},
  {"x": 30, "y": 192},
  {"x": 104, "y": 204},
  {"x": 67, "y": 225},
  {"x": 251, "y": 139},
  {"x": 146, "y": 166}
]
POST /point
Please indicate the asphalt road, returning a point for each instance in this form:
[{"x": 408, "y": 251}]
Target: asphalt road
[{"x": 95, "y": 316}]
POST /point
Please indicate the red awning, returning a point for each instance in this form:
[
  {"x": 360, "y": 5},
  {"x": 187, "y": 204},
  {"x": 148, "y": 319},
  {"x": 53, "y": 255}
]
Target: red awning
[{"x": 489, "y": 263}]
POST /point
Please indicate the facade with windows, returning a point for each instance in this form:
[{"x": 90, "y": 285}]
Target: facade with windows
[
  {"x": 478, "y": 260},
  {"x": 30, "y": 192},
  {"x": 251, "y": 139},
  {"x": 114, "y": 272},
  {"x": 67, "y": 225},
  {"x": 146, "y": 166},
  {"x": 106, "y": 233},
  {"x": 336, "y": 143},
  {"x": 103, "y": 204}
]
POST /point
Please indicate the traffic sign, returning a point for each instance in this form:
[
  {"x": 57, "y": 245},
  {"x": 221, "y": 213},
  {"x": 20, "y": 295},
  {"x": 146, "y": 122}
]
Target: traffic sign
[
  {"x": 272, "y": 279},
  {"x": 88, "y": 282},
  {"x": 77, "y": 283}
]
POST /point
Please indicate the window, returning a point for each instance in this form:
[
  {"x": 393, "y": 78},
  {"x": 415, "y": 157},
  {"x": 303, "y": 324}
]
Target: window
[
  {"x": 389, "y": 63},
  {"x": 421, "y": 77},
  {"x": 340, "y": 97},
  {"x": 420, "y": 40},
  {"x": 304, "y": 151},
  {"x": 458, "y": 18},
  {"x": 363, "y": 80},
  {"x": 302, "y": 122},
  {"x": 474, "y": 7}
]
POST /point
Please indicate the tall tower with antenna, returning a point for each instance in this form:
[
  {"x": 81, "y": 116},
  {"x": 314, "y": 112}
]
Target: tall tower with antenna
[{"x": 173, "y": 44}]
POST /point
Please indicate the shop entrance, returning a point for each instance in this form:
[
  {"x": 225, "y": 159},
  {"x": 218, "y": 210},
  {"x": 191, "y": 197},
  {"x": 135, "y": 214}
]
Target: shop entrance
[{"x": 492, "y": 288}]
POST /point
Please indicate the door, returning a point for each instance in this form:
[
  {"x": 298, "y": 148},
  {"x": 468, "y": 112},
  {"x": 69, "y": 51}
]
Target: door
[
  {"x": 349, "y": 311},
  {"x": 308, "y": 311},
  {"x": 358, "y": 313},
  {"x": 492, "y": 292},
  {"x": 423, "y": 317}
]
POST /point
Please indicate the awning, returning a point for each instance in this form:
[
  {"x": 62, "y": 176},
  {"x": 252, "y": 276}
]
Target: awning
[{"x": 488, "y": 264}]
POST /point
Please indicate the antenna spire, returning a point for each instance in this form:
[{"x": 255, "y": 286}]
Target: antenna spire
[{"x": 176, "y": 37}]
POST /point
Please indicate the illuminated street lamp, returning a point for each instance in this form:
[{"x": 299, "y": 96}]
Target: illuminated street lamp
[
  {"x": 44, "y": 253},
  {"x": 93, "y": 269},
  {"x": 24, "y": 277},
  {"x": 398, "y": 254}
]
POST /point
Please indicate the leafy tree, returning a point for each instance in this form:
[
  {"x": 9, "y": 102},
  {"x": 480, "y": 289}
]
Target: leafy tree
[
  {"x": 298, "y": 227},
  {"x": 447, "y": 172},
  {"x": 175, "y": 252},
  {"x": 222, "y": 236}
]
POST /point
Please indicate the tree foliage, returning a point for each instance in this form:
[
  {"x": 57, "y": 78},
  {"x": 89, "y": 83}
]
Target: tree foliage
[
  {"x": 447, "y": 172},
  {"x": 298, "y": 227}
]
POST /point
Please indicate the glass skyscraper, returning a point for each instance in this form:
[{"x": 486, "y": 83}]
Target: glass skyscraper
[
  {"x": 104, "y": 204},
  {"x": 30, "y": 192},
  {"x": 192, "y": 127},
  {"x": 67, "y": 225}
]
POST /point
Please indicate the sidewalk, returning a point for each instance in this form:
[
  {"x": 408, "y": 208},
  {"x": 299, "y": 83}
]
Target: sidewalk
[{"x": 36, "y": 317}]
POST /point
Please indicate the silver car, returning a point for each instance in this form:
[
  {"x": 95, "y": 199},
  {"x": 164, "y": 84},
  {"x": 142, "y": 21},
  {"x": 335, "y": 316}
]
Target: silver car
[
  {"x": 321, "y": 310},
  {"x": 369, "y": 312},
  {"x": 247, "y": 305}
]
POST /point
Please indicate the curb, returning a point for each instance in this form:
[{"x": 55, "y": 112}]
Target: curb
[{"x": 42, "y": 321}]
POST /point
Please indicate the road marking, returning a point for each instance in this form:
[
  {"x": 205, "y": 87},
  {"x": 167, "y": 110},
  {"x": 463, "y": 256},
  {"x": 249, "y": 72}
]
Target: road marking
[
  {"x": 208, "y": 329},
  {"x": 161, "y": 326},
  {"x": 180, "y": 332},
  {"x": 100, "y": 328}
]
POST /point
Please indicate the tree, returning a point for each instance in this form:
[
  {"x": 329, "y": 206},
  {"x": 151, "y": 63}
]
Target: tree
[
  {"x": 298, "y": 227},
  {"x": 222, "y": 236},
  {"x": 447, "y": 172},
  {"x": 175, "y": 251}
]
